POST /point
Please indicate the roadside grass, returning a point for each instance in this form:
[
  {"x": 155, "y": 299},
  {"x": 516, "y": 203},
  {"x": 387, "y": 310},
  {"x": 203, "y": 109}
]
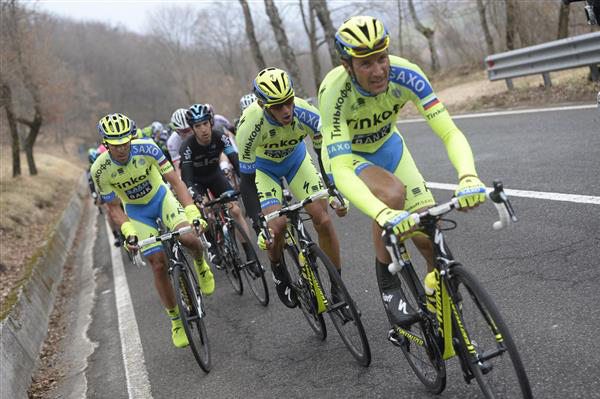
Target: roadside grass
[{"x": 29, "y": 208}]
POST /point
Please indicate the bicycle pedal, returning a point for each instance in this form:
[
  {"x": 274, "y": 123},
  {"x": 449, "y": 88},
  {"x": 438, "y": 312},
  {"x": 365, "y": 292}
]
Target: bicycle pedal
[
  {"x": 485, "y": 367},
  {"x": 397, "y": 340}
]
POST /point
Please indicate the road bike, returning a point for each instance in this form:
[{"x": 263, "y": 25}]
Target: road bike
[
  {"x": 187, "y": 291},
  {"x": 461, "y": 319},
  {"x": 316, "y": 282},
  {"x": 227, "y": 235}
]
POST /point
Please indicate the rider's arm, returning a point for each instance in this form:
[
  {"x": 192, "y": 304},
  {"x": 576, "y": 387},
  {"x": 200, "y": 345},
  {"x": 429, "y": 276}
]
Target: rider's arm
[
  {"x": 116, "y": 213},
  {"x": 247, "y": 136},
  {"x": 311, "y": 118},
  {"x": 231, "y": 153},
  {"x": 187, "y": 165},
  {"x": 179, "y": 187}
]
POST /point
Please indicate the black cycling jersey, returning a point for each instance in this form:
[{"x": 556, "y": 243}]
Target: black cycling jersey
[{"x": 200, "y": 163}]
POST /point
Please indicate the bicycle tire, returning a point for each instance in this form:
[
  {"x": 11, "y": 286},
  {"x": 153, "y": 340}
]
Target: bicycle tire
[
  {"x": 344, "y": 315},
  {"x": 306, "y": 298},
  {"x": 191, "y": 313},
  {"x": 425, "y": 360},
  {"x": 229, "y": 261},
  {"x": 252, "y": 270},
  {"x": 499, "y": 376}
]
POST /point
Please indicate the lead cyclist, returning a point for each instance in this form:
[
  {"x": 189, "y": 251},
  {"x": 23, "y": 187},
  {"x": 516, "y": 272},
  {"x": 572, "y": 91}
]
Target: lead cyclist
[{"x": 367, "y": 156}]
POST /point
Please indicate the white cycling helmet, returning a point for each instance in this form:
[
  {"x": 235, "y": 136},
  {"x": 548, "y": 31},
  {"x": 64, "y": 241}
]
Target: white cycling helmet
[
  {"x": 156, "y": 127},
  {"x": 178, "y": 120},
  {"x": 247, "y": 100}
]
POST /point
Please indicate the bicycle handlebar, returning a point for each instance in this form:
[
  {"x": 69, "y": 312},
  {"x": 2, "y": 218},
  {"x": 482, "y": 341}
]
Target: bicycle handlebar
[
  {"x": 498, "y": 197},
  {"x": 137, "y": 258},
  {"x": 293, "y": 207},
  {"x": 227, "y": 196}
]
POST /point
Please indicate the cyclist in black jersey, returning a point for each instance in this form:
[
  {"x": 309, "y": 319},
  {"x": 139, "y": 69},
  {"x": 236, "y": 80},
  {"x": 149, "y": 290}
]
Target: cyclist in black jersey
[{"x": 200, "y": 168}]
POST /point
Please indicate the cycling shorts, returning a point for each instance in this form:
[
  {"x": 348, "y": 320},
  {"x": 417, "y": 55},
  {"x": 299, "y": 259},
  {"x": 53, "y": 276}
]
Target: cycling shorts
[
  {"x": 163, "y": 205},
  {"x": 394, "y": 157},
  {"x": 297, "y": 169},
  {"x": 216, "y": 182}
]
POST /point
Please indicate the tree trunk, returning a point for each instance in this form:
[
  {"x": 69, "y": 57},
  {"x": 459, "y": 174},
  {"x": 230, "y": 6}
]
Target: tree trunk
[
  {"x": 563, "y": 21},
  {"x": 289, "y": 58},
  {"x": 311, "y": 32},
  {"x": 12, "y": 126},
  {"x": 400, "y": 47},
  {"x": 320, "y": 7},
  {"x": 34, "y": 130},
  {"x": 510, "y": 24},
  {"x": 429, "y": 35},
  {"x": 489, "y": 42},
  {"x": 256, "y": 53}
]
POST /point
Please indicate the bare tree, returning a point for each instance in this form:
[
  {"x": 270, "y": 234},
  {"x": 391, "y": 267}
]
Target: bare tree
[
  {"x": 6, "y": 102},
  {"x": 400, "y": 47},
  {"x": 563, "y": 21},
  {"x": 258, "y": 57},
  {"x": 320, "y": 7},
  {"x": 429, "y": 35},
  {"x": 511, "y": 20},
  {"x": 489, "y": 42},
  {"x": 289, "y": 58},
  {"x": 311, "y": 32}
]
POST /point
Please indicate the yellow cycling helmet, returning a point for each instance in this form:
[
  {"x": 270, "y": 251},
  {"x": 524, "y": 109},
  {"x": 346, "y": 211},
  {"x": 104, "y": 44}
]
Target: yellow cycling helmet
[
  {"x": 116, "y": 129},
  {"x": 273, "y": 86},
  {"x": 360, "y": 37}
]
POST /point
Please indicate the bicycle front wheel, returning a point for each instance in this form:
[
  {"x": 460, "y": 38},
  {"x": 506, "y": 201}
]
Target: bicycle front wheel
[
  {"x": 229, "y": 259},
  {"x": 251, "y": 268},
  {"x": 191, "y": 312},
  {"x": 306, "y": 297},
  {"x": 340, "y": 306},
  {"x": 487, "y": 343},
  {"x": 420, "y": 341}
]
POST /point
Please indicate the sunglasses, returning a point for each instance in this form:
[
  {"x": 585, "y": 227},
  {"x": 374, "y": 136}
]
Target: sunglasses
[
  {"x": 365, "y": 51},
  {"x": 184, "y": 131},
  {"x": 280, "y": 106}
]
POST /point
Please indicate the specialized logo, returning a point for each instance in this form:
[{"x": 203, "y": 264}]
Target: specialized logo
[{"x": 402, "y": 306}]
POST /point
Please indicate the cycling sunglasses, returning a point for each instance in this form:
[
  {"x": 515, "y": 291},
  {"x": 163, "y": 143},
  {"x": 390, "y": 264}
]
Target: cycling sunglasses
[
  {"x": 280, "y": 106},
  {"x": 365, "y": 51}
]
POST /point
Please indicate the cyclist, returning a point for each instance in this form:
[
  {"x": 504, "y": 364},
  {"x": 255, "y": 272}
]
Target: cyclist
[
  {"x": 247, "y": 101},
  {"x": 160, "y": 135},
  {"x": 182, "y": 131},
  {"x": 270, "y": 135},
  {"x": 131, "y": 171},
  {"x": 200, "y": 154},
  {"x": 367, "y": 157}
]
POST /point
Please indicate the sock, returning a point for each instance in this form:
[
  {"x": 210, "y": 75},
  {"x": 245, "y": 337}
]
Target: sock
[{"x": 173, "y": 313}]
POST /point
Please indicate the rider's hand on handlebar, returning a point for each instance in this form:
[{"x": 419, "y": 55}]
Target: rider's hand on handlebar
[
  {"x": 192, "y": 213},
  {"x": 262, "y": 242},
  {"x": 131, "y": 244},
  {"x": 399, "y": 221},
  {"x": 340, "y": 209},
  {"x": 470, "y": 193}
]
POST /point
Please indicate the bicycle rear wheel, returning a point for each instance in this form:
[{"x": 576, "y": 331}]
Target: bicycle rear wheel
[
  {"x": 306, "y": 298},
  {"x": 420, "y": 346},
  {"x": 340, "y": 306},
  {"x": 493, "y": 357},
  {"x": 252, "y": 269},
  {"x": 191, "y": 312}
]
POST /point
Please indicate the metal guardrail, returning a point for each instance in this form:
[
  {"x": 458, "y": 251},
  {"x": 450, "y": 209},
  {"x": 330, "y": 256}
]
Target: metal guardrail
[{"x": 572, "y": 52}]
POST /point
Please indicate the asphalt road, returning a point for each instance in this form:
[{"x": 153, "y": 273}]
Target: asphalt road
[{"x": 543, "y": 273}]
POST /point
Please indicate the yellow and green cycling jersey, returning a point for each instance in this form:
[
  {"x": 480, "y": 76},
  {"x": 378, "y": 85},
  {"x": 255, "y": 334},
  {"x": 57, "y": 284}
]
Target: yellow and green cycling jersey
[
  {"x": 259, "y": 135},
  {"x": 359, "y": 128},
  {"x": 136, "y": 181}
]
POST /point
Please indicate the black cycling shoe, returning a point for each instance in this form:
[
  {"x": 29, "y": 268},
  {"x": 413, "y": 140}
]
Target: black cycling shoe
[
  {"x": 283, "y": 286},
  {"x": 399, "y": 312}
]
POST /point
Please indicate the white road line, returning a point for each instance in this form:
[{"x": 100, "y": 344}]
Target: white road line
[
  {"x": 138, "y": 384},
  {"x": 582, "y": 199},
  {"x": 513, "y": 112}
]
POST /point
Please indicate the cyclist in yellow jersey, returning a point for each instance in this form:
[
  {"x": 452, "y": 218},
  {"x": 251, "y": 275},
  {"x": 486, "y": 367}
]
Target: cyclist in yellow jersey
[
  {"x": 366, "y": 155},
  {"x": 270, "y": 137},
  {"x": 133, "y": 171}
]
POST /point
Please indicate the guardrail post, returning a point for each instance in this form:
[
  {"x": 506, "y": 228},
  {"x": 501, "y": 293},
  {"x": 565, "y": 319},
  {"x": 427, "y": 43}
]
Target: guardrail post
[
  {"x": 509, "y": 84},
  {"x": 547, "y": 80},
  {"x": 594, "y": 72}
]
